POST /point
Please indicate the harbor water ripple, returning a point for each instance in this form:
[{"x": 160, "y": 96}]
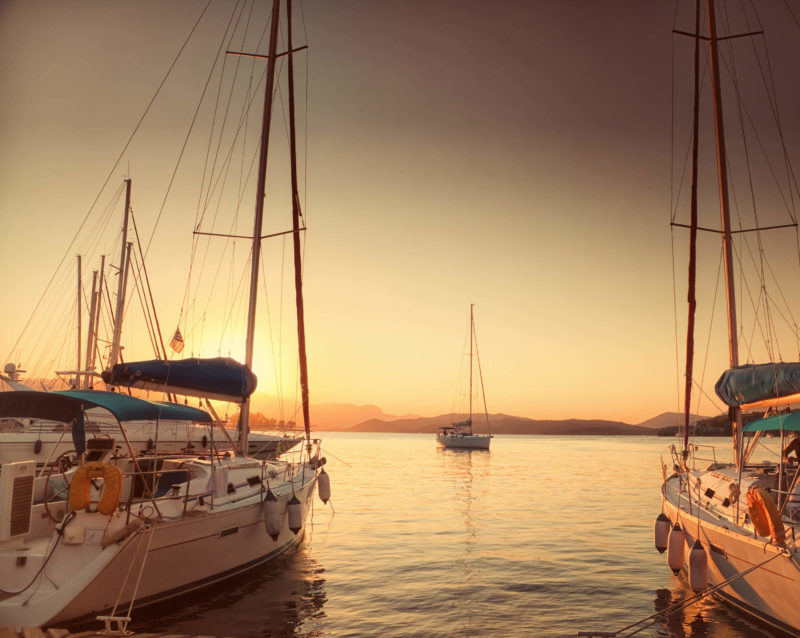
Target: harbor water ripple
[{"x": 541, "y": 536}]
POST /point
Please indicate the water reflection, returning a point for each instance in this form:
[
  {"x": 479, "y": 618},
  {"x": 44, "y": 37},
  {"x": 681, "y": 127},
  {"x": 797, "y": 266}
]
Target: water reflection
[
  {"x": 280, "y": 599},
  {"x": 708, "y": 618},
  {"x": 462, "y": 466}
]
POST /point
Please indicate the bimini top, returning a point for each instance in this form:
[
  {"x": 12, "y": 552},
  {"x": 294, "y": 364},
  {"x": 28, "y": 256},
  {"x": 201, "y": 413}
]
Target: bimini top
[
  {"x": 65, "y": 406},
  {"x": 221, "y": 378},
  {"x": 754, "y": 383},
  {"x": 790, "y": 422}
]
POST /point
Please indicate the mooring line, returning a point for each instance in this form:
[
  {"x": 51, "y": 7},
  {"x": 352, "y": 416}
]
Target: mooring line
[{"x": 680, "y": 605}]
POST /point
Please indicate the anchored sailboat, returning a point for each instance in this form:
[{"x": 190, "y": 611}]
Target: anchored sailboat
[
  {"x": 124, "y": 530},
  {"x": 460, "y": 435}
]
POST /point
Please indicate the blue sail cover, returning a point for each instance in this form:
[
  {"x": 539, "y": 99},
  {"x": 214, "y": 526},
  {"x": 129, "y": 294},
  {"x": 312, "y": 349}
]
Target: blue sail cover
[
  {"x": 221, "y": 378},
  {"x": 758, "y": 382}
]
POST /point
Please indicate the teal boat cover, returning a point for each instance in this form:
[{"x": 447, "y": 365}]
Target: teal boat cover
[
  {"x": 62, "y": 406},
  {"x": 757, "y": 382},
  {"x": 789, "y": 422},
  {"x": 69, "y": 406},
  {"x": 220, "y": 378}
]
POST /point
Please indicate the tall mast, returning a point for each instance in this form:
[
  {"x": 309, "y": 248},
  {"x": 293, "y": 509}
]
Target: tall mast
[
  {"x": 733, "y": 346},
  {"x": 90, "y": 333},
  {"x": 691, "y": 298},
  {"x": 244, "y": 414},
  {"x": 123, "y": 268},
  {"x": 77, "y": 370},
  {"x": 298, "y": 262},
  {"x": 96, "y": 319},
  {"x": 471, "y": 339}
]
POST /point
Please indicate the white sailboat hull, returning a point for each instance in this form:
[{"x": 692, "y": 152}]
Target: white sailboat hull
[
  {"x": 160, "y": 560},
  {"x": 769, "y": 593},
  {"x": 464, "y": 441}
]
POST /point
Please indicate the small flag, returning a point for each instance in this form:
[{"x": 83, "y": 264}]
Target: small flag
[{"x": 177, "y": 341}]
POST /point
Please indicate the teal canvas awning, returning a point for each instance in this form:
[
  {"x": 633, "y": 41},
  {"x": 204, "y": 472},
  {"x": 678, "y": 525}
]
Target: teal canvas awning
[
  {"x": 63, "y": 406},
  {"x": 69, "y": 407},
  {"x": 775, "y": 423}
]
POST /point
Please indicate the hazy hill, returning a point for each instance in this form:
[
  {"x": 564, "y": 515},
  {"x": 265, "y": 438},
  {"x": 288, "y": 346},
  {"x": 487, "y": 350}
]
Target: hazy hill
[
  {"x": 502, "y": 424},
  {"x": 670, "y": 419},
  {"x": 325, "y": 416}
]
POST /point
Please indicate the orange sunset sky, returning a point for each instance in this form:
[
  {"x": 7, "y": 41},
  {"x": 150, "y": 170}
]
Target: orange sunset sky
[{"x": 512, "y": 154}]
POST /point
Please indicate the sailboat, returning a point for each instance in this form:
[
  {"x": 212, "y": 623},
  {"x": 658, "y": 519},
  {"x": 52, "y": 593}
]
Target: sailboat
[
  {"x": 460, "y": 435},
  {"x": 123, "y": 530},
  {"x": 49, "y": 442},
  {"x": 731, "y": 526}
]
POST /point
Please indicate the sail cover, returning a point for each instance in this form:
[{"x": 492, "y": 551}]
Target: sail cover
[
  {"x": 757, "y": 382},
  {"x": 222, "y": 378}
]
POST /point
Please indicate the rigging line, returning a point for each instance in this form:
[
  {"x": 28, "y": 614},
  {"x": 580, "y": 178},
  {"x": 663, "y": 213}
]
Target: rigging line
[
  {"x": 139, "y": 288},
  {"x": 200, "y": 205},
  {"x": 232, "y": 226},
  {"x": 188, "y": 133},
  {"x": 480, "y": 376},
  {"x": 791, "y": 13},
  {"x": 708, "y": 396},
  {"x": 119, "y": 158},
  {"x": 785, "y": 154},
  {"x": 282, "y": 281},
  {"x": 227, "y": 162},
  {"x": 687, "y": 602},
  {"x": 673, "y": 210},
  {"x": 243, "y": 119},
  {"x": 234, "y": 304},
  {"x": 760, "y": 262},
  {"x": 675, "y": 319},
  {"x": 191, "y": 127},
  {"x": 767, "y": 330},
  {"x": 163, "y": 350},
  {"x": 676, "y": 195},
  {"x": 55, "y": 275},
  {"x": 793, "y": 323},
  {"x": 305, "y": 135},
  {"x": 769, "y": 85},
  {"x": 713, "y": 306},
  {"x": 247, "y": 107}
]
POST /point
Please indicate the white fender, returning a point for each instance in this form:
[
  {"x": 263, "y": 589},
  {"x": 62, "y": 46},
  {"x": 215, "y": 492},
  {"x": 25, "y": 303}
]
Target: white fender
[
  {"x": 662, "y": 532},
  {"x": 324, "y": 485},
  {"x": 272, "y": 515},
  {"x": 676, "y": 545},
  {"x": 295, "y": 509},
  {"x": 698, "y": 567}
]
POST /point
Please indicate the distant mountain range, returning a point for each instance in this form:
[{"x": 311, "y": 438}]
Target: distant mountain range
[
  {"x": 344, "y": 417},
  {"x": 502, "y": 424}
]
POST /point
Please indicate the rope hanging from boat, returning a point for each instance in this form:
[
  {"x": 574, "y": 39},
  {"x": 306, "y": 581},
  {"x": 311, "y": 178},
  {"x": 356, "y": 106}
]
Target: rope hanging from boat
[{"x": 139, "y": 576}]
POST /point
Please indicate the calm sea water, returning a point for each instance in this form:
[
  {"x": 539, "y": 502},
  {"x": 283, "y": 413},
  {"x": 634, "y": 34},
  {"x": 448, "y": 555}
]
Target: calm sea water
[{"x": 541, "y": 536}]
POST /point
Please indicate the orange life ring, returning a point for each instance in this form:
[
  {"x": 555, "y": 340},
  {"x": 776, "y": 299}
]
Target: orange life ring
[
  {"x": 765, "y": 515},
  {"x": 112, "y": 486}
]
